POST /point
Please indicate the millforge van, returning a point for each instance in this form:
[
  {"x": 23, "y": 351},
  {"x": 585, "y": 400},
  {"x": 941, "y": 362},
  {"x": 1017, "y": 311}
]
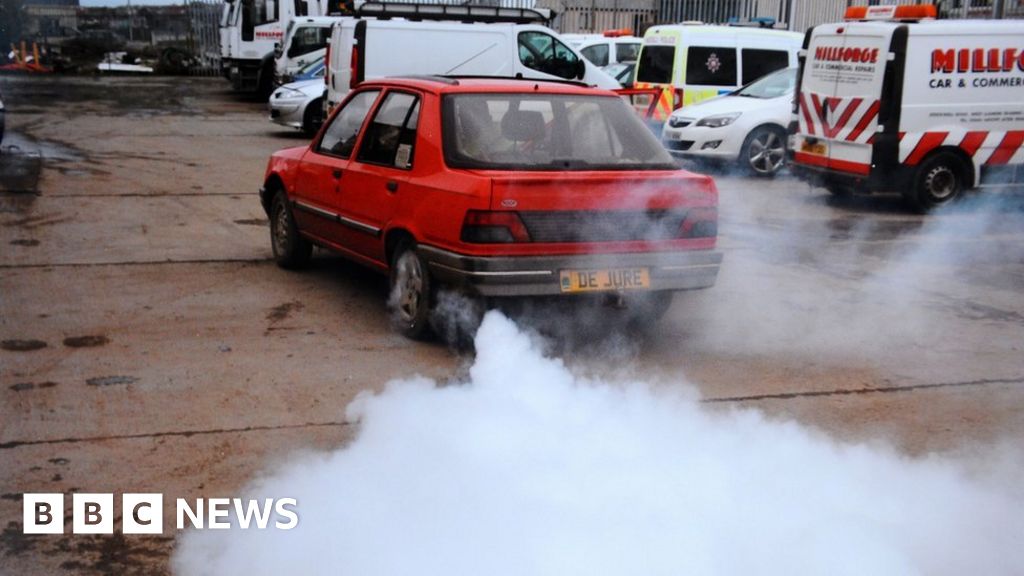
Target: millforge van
[{"x": 894, "y": 100}]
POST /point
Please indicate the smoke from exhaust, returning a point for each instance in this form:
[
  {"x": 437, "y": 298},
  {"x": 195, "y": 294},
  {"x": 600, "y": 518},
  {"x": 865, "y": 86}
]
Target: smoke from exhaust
[{"x": 529, "y": 469}]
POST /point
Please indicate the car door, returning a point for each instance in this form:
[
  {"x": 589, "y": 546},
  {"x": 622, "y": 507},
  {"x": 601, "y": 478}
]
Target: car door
[
  {"x": 376, "y": 181},
  {"x": 320, "y": 181}
]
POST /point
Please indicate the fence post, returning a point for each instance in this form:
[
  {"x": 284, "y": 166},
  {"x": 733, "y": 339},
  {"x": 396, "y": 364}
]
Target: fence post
[{"x": 999, "y": 9}]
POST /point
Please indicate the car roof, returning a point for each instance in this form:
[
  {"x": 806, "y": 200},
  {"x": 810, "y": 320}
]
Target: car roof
[{"x": 455, "y": 85}]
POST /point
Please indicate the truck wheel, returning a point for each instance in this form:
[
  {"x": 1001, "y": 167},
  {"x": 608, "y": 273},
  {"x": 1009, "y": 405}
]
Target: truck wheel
[
  {"x": 764, "y": 151},
  {"x": 938, "y": 180},
  {"x": 291, "y": 250},
  {"x": 411, "y": 291},
  {"x": 313, "y": 117}
]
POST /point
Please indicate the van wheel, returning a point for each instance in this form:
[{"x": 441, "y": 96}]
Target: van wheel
[
  {"x": 939, "y": 180},
  {"x": 313, "y": 117},
  {"x": 411, "y": 291},
  {"x": 291, "y": 250},
  {"x": 764, "y": 151}
]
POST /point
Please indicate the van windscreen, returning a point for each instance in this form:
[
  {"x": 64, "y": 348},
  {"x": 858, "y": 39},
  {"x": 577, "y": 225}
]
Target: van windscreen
[{"x": 655, "y": 64}]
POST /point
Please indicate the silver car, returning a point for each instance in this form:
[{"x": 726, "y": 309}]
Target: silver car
[{"x": 300, "y": 104}]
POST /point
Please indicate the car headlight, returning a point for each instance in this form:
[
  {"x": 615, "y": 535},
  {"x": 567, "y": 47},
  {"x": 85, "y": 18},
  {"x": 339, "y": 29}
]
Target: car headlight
[
  {"x": 718, "y": 120},
  {"x": 289, "y": 95}
]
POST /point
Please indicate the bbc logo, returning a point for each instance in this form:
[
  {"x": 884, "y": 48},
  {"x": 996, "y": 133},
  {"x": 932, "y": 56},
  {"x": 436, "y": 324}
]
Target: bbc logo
[{"x": 93, "y": 513}]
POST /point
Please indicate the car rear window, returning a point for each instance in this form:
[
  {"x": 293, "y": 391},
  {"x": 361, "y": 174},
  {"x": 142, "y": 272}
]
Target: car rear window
[
  {"x": 548, "y": 132},
  {"x": 655, "y": 64}
]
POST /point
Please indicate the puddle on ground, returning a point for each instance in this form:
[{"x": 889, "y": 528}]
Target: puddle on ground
[
  {"x": 22, "y": 345},
  {"x": 85, "y": 341},
  {"x": 111, "y": 380}
]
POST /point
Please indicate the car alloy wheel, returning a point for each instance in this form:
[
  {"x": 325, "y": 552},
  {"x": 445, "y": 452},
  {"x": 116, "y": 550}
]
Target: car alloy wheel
[
  {"x": 411, "y": 296},
  {"x": 766, "y": 151}
]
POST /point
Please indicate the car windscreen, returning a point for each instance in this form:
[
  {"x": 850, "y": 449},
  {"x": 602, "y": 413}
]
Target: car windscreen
[
  {"x": 548, "y": 132},
  {"x": 773, "y": 85},
  {"x": 655, "y": 64}
]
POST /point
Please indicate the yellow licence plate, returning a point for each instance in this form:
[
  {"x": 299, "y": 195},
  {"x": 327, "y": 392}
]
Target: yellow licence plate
[
  {"x": 605, "y": 280},
  {"x": 818, "y": 148}
]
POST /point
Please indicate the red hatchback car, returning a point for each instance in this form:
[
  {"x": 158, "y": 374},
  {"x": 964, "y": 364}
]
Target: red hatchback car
[{"x": 497, "y": 188}]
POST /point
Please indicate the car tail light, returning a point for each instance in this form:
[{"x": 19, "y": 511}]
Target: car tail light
[
  {"x": 677, "y": 101},
  {"x": 483, "y": 227},
  {"x": 354, "y": 68},
  {"x": 700, "y": 223}
]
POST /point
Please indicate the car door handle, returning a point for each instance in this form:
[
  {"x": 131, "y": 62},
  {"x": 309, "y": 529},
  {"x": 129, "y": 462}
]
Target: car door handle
[
  {"x": 392, "y": 186},
  {"x": 336, "y": 174}
]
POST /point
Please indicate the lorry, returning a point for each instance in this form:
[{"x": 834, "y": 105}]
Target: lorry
[
  {"x": 895, "y": 100},
  {"x": 389, "y": 39},
  {"x": 249, "y": 33}
]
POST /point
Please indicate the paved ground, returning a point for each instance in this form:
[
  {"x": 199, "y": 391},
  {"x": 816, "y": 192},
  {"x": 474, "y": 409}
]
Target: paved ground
[{"x": 150, "y": 345}]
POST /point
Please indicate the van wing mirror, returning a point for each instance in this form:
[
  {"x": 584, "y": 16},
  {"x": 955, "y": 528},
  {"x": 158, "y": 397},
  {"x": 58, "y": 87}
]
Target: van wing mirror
[{"x": 581, "y": 69}]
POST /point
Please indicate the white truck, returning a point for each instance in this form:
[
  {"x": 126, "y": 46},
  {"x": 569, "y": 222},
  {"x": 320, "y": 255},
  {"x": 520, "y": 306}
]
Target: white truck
[
  {"x": 893, "y": 100},
  {"x": 450, "y": 40},
  {"x": 249, "y": 32},
  {"x": 305, "y": 41}
]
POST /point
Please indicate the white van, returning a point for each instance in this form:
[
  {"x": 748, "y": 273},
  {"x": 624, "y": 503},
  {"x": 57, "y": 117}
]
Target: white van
[
  {"x": 690, "y": 62},
  {"x": 365, "y": 48},
  {"x": 612, "y": 47},
  {"x": 304, "y": 41},
  {"x": 899, "y": 101}
]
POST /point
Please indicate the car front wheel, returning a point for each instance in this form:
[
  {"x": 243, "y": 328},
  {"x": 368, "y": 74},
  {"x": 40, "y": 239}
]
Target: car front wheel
[
  {"x": 764, "y": 151},
  {"x": 410, "y": 294},
  {"x": 291, "y": 250}
]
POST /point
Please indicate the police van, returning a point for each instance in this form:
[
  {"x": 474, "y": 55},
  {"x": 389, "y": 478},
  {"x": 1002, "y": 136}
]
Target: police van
[
  {"x": 894, "y": 100},
  {"x": 686, "y": 63}
]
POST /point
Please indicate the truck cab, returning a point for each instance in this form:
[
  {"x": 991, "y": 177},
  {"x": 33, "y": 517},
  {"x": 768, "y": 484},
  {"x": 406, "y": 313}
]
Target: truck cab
[
  {"x": 249, "y": 32},
  {"x": 304, "y": 41}
]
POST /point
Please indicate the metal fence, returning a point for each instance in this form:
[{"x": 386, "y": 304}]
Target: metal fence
[{"x": 204, "y": 36}]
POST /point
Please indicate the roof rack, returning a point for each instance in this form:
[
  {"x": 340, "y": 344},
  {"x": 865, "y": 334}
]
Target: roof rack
[
  {"x": 517, "y": 77},
  {"x": 462, "y": 13}
]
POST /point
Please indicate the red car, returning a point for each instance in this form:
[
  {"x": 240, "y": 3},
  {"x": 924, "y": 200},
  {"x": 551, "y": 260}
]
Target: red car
[{"x": 498, "y": 188}]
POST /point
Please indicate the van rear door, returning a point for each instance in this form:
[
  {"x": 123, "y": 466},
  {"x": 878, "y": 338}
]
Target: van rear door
[{"x": 840, "y": 95}]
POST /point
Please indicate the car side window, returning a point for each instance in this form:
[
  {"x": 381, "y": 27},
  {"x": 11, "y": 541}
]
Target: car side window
[
  {"x": 598, "y": 54},
  {"x": 759, "y": 63},
  {"x": 343, "y": 131},
  {"x": 542, "y": 52},
  {"x": 711, "y": 66},
  {"x": 627, "y": 52},
  {"x": 391, "y": 134}
]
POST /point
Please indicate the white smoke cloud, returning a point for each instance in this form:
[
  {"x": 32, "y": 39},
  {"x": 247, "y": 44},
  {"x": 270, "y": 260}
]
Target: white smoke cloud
[{"x": 529, "y": 470}]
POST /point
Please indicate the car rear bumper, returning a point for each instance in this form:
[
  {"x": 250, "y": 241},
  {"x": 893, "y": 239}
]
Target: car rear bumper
[{"x": 540, "y": 275}]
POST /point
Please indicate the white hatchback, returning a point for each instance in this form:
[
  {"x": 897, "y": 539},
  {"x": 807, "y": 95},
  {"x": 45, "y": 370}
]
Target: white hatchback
[{"x": 748, "y": 125}]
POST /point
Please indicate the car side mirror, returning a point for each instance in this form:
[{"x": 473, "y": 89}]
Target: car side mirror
[
  {"x": 277, "y": 49},
  {"x": 581, "y": 69}
]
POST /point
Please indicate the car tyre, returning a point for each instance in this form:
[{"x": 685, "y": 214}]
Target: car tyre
[
  {"x": 764, "y": 151},
  {"x": 411, "y": 292},
  {"x": 313, "y": 117},
  {"x": 291, "y": 249},
  {"x": 938, "y": 180}
]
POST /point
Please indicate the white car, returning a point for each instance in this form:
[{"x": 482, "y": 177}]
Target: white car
[
  {"x": 748, "y": 125},
  {"x": 299, "y": 105}
]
